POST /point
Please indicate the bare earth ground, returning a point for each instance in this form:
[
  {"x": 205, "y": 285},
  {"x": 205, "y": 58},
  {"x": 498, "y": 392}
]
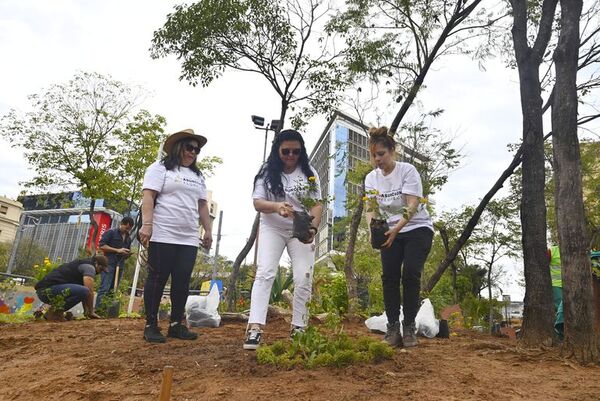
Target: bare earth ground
[{"x": 108, "y": 360}]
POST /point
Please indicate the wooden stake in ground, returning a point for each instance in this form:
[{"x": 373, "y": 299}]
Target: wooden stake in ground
[{"x": 167, "y": 381}]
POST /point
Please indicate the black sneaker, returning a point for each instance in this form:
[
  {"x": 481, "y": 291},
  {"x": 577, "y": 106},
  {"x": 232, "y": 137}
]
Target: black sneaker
[
  {"x": 152, "y": 334},
  {"x": 180, "y": 331},
  {"x": 252, "y": 339},
  {"x": 296, "y": 330}
]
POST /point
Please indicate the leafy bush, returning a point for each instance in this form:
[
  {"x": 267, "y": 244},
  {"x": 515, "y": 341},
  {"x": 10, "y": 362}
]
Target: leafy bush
[
  {"x": 40, "y": 271},
  {"x": 312, "y": 349}
]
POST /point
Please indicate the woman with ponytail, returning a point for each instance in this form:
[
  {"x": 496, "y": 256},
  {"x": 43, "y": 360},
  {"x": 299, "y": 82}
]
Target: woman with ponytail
[{"x": 397, "y": 189}]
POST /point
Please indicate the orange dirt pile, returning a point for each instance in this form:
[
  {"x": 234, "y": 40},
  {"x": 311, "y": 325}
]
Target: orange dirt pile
[{"x": 106, "y": 360}]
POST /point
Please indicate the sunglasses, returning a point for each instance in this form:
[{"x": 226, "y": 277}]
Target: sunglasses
[
  {"x": 295, "y": 152},
  {"x": 191, "y": 148}
]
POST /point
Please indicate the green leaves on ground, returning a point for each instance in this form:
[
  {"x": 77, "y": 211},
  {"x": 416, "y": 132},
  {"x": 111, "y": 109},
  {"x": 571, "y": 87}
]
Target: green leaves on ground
[{"x": 313, "y": 349}]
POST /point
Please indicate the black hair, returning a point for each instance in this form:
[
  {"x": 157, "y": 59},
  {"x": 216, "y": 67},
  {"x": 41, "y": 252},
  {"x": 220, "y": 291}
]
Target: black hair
[
  {"x": 272, "y": 169},
  {"x": 128, "y": 221},
  {"x": 173, "y": 159}
]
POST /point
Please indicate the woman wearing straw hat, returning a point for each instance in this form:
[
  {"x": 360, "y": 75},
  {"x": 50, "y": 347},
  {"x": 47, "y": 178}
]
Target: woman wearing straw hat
[{"x": 173, "y": 206}]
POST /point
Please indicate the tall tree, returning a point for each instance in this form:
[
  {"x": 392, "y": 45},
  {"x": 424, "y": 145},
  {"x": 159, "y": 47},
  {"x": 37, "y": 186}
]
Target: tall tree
[
  {"x": 498, "y": 236},
  {"x": 581, "y": 338},
  {"x": 279, "y": 41},
  {"x": 396, "y": 43},
  {"x": 538, "y": 313},
  {"x": 77, "y": 136}
]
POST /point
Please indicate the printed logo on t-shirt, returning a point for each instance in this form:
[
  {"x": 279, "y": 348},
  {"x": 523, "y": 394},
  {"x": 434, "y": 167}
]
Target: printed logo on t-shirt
[{"x": 190, "y": 182}]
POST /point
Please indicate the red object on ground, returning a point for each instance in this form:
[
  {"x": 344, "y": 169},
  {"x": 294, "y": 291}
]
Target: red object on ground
[{"x": 103, "y": 220}]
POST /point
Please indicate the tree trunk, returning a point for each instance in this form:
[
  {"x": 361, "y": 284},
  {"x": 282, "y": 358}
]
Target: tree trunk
[
  {"x": 581, "y": 339},
  {"x": 491, "y": 307},
  {"x": 446, "y": 241},
  {"x": 235, "y": 270},
  {"x": 351, "y": 284},
  {"x": 468, "y": 230},
  {"x": 538, "y": 315}
]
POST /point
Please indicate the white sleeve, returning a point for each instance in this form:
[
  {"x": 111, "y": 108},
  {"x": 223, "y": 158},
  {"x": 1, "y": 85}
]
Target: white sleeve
[
  {"x": 202, "y": 194},
  {"x": 318, "y": 192},
  {"x": 154, "y": 177},
  {"x": 260, "y": 191},
  {"x": 411, "y": 184}
]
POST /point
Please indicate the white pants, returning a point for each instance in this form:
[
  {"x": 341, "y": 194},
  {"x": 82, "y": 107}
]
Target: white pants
[{"x": 271, "y": 243}]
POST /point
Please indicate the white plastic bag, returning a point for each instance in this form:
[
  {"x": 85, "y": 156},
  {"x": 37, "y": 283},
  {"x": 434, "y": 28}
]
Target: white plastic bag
[
  {"x": 201, "y": 310},
  {"x": 379, "y": 323},
  {"x": 427, "y": 324}
]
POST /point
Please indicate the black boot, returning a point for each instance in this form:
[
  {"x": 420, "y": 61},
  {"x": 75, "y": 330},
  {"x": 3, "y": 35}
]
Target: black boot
[
  {"x": 178, "y": 330},
  {"x": 392, "y": 336},
  {"x": 152, "y": 334}
]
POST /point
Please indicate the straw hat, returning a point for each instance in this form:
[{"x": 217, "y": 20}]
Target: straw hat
[{"x": 186, "y": 133}]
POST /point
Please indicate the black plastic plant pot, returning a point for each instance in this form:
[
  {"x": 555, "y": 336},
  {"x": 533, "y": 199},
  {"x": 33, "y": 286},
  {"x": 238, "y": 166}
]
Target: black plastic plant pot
[
  {"x": 444, "y": 329},
  {"x": 302, "y": 222},
  {"x": 378, "y": 229},
  {"x": 113, "y": 310}
]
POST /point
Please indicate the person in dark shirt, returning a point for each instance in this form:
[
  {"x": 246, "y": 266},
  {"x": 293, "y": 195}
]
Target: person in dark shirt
[
  {"x": 74, "y": 281},
  {"x": 116, "y": 244}
]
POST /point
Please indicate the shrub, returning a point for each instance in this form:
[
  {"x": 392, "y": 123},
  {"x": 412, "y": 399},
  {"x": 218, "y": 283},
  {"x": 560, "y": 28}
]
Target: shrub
[{"x": 313, "y": 349}]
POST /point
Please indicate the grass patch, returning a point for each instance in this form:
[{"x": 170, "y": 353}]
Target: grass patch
[
  {"x": 15, "y": 318},
  {"x": 313, "y": 349}
]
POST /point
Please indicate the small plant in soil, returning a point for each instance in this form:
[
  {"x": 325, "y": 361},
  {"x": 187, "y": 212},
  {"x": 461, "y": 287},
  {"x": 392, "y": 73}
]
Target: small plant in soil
[{"x": 313, "y": 349}]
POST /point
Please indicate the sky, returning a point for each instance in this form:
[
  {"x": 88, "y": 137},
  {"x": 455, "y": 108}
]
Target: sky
[{"x": 47, "y": 42}]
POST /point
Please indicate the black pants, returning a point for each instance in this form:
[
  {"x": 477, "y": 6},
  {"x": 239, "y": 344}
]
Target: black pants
[
  {"x": 404, "y": 260},
  {"x": 166, "y": 260}
]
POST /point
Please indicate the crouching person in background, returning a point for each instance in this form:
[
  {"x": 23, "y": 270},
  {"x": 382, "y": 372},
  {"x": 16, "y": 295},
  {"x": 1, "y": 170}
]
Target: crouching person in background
[{"x": 71, "y": 283}]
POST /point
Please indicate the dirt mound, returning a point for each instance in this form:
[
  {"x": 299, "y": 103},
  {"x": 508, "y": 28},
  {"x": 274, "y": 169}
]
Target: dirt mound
[{"x": 108, "y": 360}]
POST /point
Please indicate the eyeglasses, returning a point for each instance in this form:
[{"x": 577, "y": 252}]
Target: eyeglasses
[
  {"x": 295, "y": 151},
  {"x": 191, "y": 148}
]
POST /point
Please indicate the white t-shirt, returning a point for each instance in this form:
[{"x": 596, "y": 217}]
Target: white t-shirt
[
  {"x": 176, "y": 216},
  {"x": 295, "y": 186},
  {"x": 403, "y": 180}
]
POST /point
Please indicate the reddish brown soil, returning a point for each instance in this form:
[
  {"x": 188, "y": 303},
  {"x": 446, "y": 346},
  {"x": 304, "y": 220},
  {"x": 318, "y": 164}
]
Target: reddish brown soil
[{"x": 108, "y": 360}]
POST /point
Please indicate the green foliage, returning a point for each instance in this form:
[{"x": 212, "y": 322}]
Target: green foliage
[
  {"x": 433, "y": 155},
  {"x": 57, "y": 302},
  {"x": 5, "y": 249},
  {"x": 132, "y": 315},
  {"x": 476, "y": 311},
  {"x": 276, "y": 40},
  {"x": 283, "y": 281},
  {"x": 313, "y": 349},
  {"x": 40, "y": 271},
  {"x": 15, "y": 318},
  {"x": 331, "y": 295},
  {"x": 590, "y": 180},
  {"x": 82, "y": 135},
  {"x": 396, "y": 42},
  {"x": 29, "y": 254}
]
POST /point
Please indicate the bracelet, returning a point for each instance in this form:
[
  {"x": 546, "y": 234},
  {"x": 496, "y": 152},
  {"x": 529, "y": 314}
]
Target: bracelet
[{"x": 147, "y": 224}]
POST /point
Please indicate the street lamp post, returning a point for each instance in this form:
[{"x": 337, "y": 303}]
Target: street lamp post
[
  {"x": 506, "y": 299},
  {"x": 259, "y": 123},
  {"x": 275, "y": 126}
]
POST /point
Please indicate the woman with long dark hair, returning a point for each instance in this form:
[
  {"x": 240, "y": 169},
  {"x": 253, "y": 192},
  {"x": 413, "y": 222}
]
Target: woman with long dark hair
[
  {"x": 173, "y": 206},
  {"x": 398, "y": 190},
  {"x": 281, "y": 187}
]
